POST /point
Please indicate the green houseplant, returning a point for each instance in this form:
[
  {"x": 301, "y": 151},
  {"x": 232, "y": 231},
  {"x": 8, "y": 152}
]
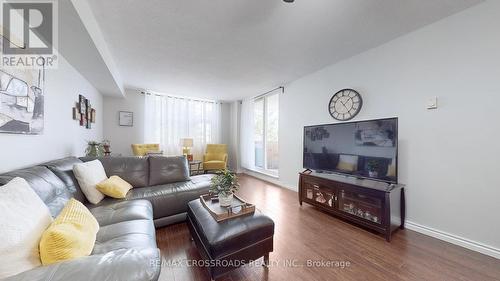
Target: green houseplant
[
  {"x": 94, "y": 149},
  {"x": 224, "y": 184}
]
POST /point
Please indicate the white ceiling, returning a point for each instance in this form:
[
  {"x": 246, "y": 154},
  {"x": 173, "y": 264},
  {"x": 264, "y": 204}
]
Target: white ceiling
[
  {"x": 81, "y": 49},
  {"x": 228, "y": 49}
]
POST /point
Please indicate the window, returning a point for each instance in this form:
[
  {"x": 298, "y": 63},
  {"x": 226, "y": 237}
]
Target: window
[
  {"x": 266, "y": 129},
  {"x": 168, "y": 119},
  {"x": 258, "y": 114}
]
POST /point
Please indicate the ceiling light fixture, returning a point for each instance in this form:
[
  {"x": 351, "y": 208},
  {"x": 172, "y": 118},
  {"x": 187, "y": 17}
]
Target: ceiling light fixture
[{"x": 289, "y": 1}]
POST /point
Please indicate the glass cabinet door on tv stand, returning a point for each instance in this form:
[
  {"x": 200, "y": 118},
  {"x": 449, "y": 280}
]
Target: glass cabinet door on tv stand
[
  {"x": 361, "y": 205},
  {"x": 376, "y": 205},
  {"x": 320, "y": 195}
]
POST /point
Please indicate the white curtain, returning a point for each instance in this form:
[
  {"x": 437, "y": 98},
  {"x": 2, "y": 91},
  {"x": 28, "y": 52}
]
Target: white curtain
[
  {"x": 247, "y": 139},
  {"x": 169, "y": 119}
]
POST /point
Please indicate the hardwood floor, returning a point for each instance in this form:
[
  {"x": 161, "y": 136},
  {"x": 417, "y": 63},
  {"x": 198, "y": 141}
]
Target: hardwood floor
[{"x": 305, "y": 233}]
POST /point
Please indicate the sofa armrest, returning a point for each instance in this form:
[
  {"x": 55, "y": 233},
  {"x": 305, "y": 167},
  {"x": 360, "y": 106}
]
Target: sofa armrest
[{"x": 124, "y": 265}]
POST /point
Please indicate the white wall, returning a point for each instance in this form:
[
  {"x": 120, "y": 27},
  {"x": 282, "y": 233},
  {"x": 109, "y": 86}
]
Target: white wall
[
  {"x": 62, "y": 135},
  {"x": 448, "y": 157},
  {"x": 122, "y": 137}
]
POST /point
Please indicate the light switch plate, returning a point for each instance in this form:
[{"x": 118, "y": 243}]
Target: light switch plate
[{"x": 432, "y": 103}]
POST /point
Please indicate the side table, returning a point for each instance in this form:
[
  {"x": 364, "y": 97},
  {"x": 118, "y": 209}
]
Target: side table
[{"x": 195, "y": 167}]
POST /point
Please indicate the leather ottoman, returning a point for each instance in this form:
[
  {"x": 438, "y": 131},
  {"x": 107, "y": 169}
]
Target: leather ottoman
[{"x": 227, "y": 245}]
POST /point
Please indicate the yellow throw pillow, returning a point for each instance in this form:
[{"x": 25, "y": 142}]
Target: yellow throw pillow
[
  {"x": 114, "y": 187},
  {"x": 71, "y": 235}
]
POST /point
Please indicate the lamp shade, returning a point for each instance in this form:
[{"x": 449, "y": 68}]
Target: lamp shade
[{"x": 187, "y": 142}]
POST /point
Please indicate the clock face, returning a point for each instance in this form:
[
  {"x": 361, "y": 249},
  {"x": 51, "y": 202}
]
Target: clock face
[{"x": 345, "y": 104}]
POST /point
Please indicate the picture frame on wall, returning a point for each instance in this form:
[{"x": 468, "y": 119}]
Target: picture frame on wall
[
  {"x": 22, "y": 99},
  {"x": 76, "y": 113},
  {"x": 84, "y": 113},
  {"x": 126, "y": 118},
  {"x": 82, "y": 104},
  {"x": 83, "y": 119}
]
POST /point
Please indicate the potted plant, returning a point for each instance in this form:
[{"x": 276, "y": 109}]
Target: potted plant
[
  {"x": 373, "y": 168},
  {"x": 94, "y": 149},
  {"x": 224, "y": 184}
]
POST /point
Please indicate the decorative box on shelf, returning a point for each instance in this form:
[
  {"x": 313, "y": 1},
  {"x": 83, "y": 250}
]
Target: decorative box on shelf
[{"x": 372, "y": 204}]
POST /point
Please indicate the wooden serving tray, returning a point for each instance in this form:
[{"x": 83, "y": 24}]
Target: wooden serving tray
[{"x": 238, "y": 208}]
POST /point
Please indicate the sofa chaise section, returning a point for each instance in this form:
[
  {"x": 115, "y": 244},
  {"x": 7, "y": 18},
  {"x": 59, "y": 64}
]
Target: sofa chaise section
[
  {"x": 135, "y": 264},
  {"x": 125, "y": 247}
]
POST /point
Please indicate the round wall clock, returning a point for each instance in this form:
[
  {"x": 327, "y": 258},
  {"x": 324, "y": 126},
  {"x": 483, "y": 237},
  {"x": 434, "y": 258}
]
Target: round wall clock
[{"x": 345, "y": 104}]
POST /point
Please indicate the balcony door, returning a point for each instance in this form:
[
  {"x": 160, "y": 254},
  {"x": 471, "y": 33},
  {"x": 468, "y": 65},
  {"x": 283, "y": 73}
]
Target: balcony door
[{"x": 266, "y": 129}]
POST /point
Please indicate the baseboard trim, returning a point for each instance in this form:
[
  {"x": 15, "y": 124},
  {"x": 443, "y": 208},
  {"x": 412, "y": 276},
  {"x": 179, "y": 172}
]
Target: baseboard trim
[
  {"x": 269, "y": 179},
  {"x": 454, "y": 239},
  {"x": 438, "y": 234}
]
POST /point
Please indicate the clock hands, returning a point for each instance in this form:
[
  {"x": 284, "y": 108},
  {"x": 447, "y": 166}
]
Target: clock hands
[{"x": 344, "y": 104}]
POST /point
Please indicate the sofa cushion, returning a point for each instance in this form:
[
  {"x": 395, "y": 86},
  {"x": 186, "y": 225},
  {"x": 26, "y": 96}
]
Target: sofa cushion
[
  {"x": 50, "y": 188},
  {"x": 72, "y": 234},
  {"x": 63, "y": 168},
  {"x": 125, "y": 235},
  {"x": 134, "y": 170},
  {"x": 114, "y": 187},
  {"x": 23, "y": 219},
  {"x": 89, "y": 175},
  {"x": 124, "y": 265},
  {"x": 169, "y": 199},
  {"x": 122, "y": 211},
  {"x": 167, "y": 169}
]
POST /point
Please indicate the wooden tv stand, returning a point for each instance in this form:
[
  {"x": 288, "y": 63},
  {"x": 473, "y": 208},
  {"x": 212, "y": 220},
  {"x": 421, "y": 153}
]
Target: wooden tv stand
[{"x": 372, "y": 204}]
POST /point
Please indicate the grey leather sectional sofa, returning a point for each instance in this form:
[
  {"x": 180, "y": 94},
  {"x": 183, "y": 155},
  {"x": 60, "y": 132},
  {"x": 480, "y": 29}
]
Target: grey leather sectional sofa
[{"x": 125, "y": 247}]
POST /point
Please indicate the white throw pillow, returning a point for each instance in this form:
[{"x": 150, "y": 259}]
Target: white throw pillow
[
  {"x": 89, "y": 174},
  {"x": 23, "y": 219}
]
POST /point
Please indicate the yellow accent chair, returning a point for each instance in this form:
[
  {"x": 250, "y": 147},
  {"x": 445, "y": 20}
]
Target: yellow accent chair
[
  {"x": 144, "y": 148},
  {"x": 215, "y": 157}
]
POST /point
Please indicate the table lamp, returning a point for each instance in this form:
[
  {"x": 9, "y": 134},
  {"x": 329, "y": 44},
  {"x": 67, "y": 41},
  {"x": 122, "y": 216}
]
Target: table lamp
[{"x": 187, "y": 143}]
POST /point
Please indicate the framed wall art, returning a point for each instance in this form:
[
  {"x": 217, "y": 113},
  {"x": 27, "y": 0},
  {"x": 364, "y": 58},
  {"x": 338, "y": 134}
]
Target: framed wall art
[
  {"x": 84, "y": 113},
  {"x": 22, "y": 101},
  {"x": 126, "y": 118}
]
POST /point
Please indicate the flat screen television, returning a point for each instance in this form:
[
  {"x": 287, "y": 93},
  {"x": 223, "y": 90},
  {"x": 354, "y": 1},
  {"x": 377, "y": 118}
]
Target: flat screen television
[{"x": 363, "y": 149}]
